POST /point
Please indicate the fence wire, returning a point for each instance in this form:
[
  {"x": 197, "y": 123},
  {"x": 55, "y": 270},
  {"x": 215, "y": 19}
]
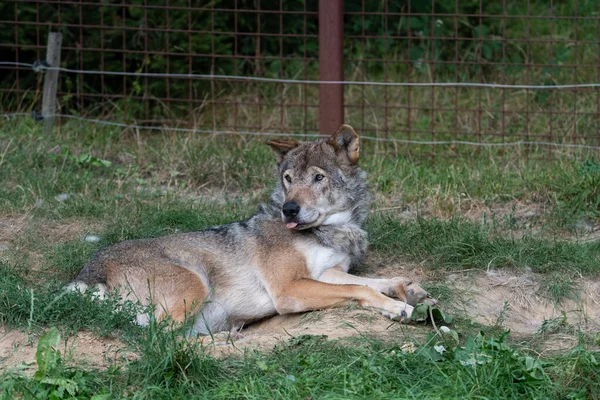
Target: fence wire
[
  {"x": 298, "y": 135},
  {"x": 42, "y": 68}
]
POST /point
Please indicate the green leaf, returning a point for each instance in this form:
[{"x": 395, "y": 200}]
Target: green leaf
[
  {"x": 432, "y": 354},
  {"x": 439, "y": 316},
  {"x": 421, "y": 313},
  {"x": 47, "y": 357},
  {"x": 63, "y": 384},
  {"x": 262, "y": 365},
  {"x": 534, "y": 367},
  {"x": 450, "y": 332}
]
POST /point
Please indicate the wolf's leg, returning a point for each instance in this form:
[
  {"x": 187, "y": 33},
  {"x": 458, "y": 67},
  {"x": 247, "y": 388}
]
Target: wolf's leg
[
  {"x": 401, "y": 288},
  {"x": 174, "y": 290},
  {"x": 307, "y": 294},
  {"x": 182, "y": 294}
]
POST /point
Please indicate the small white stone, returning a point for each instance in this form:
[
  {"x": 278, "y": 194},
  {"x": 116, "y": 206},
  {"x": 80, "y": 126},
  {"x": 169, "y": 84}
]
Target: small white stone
[
  {"x": 91, "y": 238},
  {"x": 61, "y": 197}
]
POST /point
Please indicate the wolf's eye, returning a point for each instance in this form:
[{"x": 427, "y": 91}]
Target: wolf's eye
[
  {"x": 288, "y": 178},
  {"x": 319, "y": 177}
]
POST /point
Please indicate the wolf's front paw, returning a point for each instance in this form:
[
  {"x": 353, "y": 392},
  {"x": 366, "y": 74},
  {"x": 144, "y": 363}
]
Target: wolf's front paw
[
  {"x": 400, "y": 311},
  {"x": 409, "y": 292}
]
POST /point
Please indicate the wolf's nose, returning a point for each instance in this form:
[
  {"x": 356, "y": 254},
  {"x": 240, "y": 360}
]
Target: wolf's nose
[{"x": 290, "y": 209}]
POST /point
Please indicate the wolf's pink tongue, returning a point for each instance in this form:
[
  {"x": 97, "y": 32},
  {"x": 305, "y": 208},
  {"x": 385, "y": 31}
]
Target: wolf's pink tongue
[{"x": 291, "y": 225}]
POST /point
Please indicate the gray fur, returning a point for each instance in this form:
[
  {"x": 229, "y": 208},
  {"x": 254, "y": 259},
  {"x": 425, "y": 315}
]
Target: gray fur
[{"x": 350, "y": 192}]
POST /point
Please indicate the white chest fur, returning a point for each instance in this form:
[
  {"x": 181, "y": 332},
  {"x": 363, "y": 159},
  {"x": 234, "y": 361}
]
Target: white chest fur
[{"x": 320, "y": 258}]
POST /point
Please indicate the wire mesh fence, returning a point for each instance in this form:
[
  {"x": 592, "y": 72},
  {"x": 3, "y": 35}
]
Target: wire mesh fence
[
  {"x": 172, "y": 37},
  {"x": 415, "y": 72},
  {"x": 529, "y": 43}
]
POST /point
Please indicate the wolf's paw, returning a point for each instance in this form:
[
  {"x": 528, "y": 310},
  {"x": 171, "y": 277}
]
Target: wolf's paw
[
  {"x": 400, "y": 311},
  {"x": 409, "y": 292}
]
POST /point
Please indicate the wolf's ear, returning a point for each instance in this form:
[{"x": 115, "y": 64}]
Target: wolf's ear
[
  {"x": 346, "y": 139},
  {"x": 281, "y": 147}
]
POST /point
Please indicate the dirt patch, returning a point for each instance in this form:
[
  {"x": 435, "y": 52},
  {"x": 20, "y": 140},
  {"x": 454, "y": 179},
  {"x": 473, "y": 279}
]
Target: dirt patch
[
  {"x": 515, "y": 218},
  {"x": 207, "y": 194},
  {"x": 518, "y": 302},
  {"x": 448, "y": 207},
  {"x": 17, "y": 234},
  {"x": 21, "y": 237},
  {"x": 65, "y": 231},
  {"x": 334, "y": 324},
  {"x": 17, "y": 350},
  {"x": 515, "y": 215},
  {"x": 13, "y": 227}
]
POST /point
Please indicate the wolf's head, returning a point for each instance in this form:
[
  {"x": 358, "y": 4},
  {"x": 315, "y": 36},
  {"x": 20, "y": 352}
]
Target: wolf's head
[{"x": 320, "y": 183}]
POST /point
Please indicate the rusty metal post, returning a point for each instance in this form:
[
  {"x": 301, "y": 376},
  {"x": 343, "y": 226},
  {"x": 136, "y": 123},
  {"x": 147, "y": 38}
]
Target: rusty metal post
[{"x": 331, "y": 65}]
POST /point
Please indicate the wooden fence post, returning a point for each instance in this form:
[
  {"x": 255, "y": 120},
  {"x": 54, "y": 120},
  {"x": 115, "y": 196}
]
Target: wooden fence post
[
  {"x": 331, "y": 65},
  {"x": 51, "y": 80}
]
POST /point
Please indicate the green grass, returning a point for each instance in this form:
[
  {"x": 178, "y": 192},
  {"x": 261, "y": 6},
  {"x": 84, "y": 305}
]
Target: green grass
[
  {"x": 38, "y": 306},
  {"x": 460, "y": 244},
  {"x": 451, "y": 215},
  {"x": 312, "y": 367},
  {"x": 103, "y": 170}
]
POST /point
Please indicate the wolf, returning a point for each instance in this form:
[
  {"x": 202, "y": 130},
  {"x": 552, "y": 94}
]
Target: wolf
[{"x": 292, "y": 256}]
